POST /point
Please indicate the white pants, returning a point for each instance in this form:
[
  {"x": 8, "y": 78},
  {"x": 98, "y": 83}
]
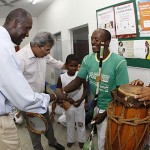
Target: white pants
[
  {"x": 62, "y": 120},
  {"x": 9, "y": 139},
  {"x": 59, "y": 111},
  {"x": 101, "y": 131},
  {"x": 76, "y": 115}
]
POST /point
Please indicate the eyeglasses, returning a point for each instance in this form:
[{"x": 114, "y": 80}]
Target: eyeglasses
[{"x": 46, "y": 51}]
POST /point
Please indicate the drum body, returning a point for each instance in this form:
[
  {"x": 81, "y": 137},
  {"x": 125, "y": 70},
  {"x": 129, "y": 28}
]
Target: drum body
[{"x": 128, "y": 121}]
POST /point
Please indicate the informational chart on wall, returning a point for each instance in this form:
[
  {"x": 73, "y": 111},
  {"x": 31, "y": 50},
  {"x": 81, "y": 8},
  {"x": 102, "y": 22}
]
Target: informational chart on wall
[
  {"x": 125, "y": 21},
  {"x": 129, "y": 24},
  {"x": 107, "y": 15}
]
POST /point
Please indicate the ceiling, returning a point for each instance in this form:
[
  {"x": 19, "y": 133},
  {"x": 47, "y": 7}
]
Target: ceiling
[{"x": 34, "y": 10}]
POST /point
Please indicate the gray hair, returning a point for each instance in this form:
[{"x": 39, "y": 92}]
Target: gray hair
[{"x": 42, "y": 38}]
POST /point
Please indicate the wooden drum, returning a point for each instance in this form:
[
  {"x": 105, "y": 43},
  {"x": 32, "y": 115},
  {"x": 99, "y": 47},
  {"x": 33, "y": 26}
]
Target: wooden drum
[{"x": 128, "y": 120}]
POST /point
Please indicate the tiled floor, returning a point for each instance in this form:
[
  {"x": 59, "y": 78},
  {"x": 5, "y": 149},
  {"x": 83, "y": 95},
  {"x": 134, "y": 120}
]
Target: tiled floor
[{"x": 60, "y": 134}]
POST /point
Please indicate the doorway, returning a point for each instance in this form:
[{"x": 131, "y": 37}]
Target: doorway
[{"x": 80, "y": 42}]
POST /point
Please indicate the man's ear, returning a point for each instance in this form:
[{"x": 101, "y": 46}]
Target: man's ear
[{"x": 15, "y": 23}]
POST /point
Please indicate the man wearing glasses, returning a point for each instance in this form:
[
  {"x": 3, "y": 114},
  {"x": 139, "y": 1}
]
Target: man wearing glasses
[{"x": 33, "y": 58}]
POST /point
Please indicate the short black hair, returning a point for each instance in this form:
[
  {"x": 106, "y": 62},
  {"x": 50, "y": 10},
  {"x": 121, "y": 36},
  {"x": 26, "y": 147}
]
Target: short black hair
[
  {"x": 105, "y": 33},
  {"x": 16, "y": 13},
  {"x": 71, "y": 57}
]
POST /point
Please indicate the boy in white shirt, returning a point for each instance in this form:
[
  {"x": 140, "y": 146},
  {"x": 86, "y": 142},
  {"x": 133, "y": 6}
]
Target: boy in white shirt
[{"x": 76, "y": 113}]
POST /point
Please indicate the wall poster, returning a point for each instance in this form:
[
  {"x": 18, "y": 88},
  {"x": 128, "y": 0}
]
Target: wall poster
[
  {"x": 142, "y": 49},
  {"x": 105, "y": 20},
  {"x": 143, "y": 12},
  {"x": 129, "y": 24},
  {"x": 125, "y": 21}
]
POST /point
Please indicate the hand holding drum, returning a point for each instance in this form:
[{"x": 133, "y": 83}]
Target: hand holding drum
[
  {"x": 142, "y": 94},
  {"x": 137, "y": 82}
]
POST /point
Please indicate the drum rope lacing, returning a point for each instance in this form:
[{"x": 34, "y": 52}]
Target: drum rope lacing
[
  {"x": 133, "y": 121},
  {"x": 123, "y": 116}
]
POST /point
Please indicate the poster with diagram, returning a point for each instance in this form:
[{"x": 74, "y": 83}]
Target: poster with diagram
[
  {"x": 105, "y": 19},
  {"x": 125, "y": 21}
]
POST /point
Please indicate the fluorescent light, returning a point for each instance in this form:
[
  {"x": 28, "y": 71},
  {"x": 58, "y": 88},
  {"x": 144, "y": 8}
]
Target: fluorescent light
[{"x": 34, "y": 2}]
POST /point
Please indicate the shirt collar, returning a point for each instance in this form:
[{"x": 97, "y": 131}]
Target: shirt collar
[
  {"x": 30, "y": 52},
  {"x": 6, "y": 37},
  {"x": 4, "y": 34},
  {"x": 104, "y": 59}
]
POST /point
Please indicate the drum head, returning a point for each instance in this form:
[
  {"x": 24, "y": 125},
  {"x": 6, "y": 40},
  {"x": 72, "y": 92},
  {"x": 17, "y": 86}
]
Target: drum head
[
  {"x": 128, "y": 89},
  {"x": 36, "y": 123},
  {"x": 125, "y": 95}
]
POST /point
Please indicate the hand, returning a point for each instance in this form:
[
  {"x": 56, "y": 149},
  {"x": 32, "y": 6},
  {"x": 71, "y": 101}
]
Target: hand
[
  {"x": 77, "y": 103},
  {"x": 52, "y": 115},
  {"x": 100, "y": 117},
  {"x": 137, "y": 82},
  {"x": 70, "y": 100},
  {"x": 60, "y": 95},
  {"x": 86, "y": 106},
  {"x": 143, "y": 94},
  {"x": 60, "y": 102}
]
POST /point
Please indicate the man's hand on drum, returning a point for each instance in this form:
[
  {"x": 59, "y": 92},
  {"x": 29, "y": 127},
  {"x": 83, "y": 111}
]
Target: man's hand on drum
[
  {"x": 137, "y": 82},
  {"x": 60, "y": 96},
  {"x": 143, "y": 94},
  {"x": 99, "y": 117}
]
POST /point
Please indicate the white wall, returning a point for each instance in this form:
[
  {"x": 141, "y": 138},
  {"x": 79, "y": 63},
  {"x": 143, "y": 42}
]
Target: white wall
[
  {"x": 139, "y": 73},
  {"x": 32, "y": 32},
  {"x": 63, "y": 15}
]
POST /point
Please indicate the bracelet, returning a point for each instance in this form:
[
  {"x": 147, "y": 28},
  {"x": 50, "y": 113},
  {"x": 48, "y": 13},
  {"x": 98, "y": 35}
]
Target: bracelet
[{"x": 55, "y": 96}]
